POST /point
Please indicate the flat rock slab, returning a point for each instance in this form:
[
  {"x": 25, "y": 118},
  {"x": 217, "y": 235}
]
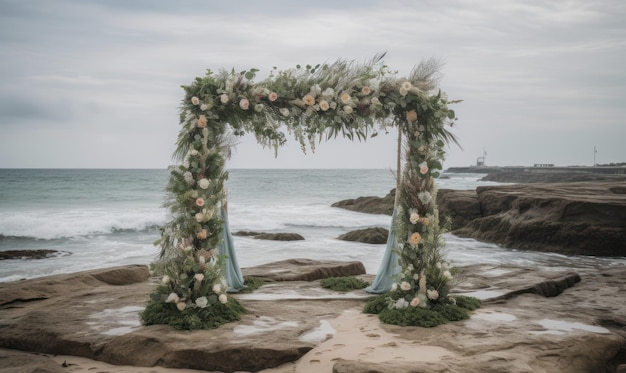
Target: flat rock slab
[
  {"x": 580, "y": 329},
  {"x": 304, "y": 270}
]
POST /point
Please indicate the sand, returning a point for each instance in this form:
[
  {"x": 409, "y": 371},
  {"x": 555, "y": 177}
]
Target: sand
[{"x": 351, "y": 336}]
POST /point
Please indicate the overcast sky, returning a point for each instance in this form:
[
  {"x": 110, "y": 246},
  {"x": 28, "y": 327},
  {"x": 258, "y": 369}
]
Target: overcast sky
[{"x": 96, "y": 84}]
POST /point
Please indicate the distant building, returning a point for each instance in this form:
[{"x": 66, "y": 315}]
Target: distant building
[{"x": 542, "y": 165}]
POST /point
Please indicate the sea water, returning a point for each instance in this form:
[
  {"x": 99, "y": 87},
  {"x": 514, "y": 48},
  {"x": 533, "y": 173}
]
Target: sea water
[{"x": 97, "y": 218}]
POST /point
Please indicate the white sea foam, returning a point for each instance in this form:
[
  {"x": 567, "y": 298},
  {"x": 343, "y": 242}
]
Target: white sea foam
[{"x": 55, "y": 224}]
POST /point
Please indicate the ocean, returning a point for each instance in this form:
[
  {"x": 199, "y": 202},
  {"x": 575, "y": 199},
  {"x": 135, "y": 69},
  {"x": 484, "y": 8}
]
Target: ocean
[{"x": 98, "y": 218}]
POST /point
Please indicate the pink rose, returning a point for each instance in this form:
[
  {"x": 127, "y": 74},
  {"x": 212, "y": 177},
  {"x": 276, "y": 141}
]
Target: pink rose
[
  {"x": 415, "y": 302},
  {"x": 202, "y": 121},
  {"x": 200, "y": 202},
  {"x": 202, "y": 235},
  {"x": 273, "y": 96},
  {"x": 366, "y": 90},
  {"x": 244, "y": 104}
]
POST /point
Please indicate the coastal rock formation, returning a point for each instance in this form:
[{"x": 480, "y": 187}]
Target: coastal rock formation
[
  {"x": 369, "y": 205},
  {"x": 583, "y": 218},
  {"x": 587, "y": 218},
  {"x": 550, "y": 177},
  {"x": 270, "y": 236},
  {"x": 375, "y": 235},
  {"x": 578, "y": 327},
  {"x": 460, "y": 206}
]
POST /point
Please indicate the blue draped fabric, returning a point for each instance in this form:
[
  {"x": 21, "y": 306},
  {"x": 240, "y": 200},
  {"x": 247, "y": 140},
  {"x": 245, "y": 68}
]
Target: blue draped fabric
[
  {"x": 389, "y": 266},
  {"x": 232, "y": 272}
]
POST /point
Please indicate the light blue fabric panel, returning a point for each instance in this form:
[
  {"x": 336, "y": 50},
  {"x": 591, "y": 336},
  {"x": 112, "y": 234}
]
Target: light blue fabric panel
[
  {"x": 232, "y": 272},
  {"x": 389, "y": 266}
]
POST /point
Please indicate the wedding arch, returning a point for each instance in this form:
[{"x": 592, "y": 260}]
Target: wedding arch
[{"x": 354, "y": 100}]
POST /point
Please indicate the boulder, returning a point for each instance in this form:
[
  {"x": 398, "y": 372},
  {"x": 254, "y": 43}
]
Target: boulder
[
  {"x": 31, "y": 254},
  {"x": 374, "y": 235},
  {"x": 271, "y": 236},
  {"x": 369, "y": 205}
]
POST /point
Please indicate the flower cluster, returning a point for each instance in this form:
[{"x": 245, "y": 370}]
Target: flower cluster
[{"x": 353, "y": 100}]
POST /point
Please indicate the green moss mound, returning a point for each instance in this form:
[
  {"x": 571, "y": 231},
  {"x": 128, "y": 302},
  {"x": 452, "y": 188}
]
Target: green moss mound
[
  {"x": 251, "y": 284},
  {"x": 437, "y": 314},
  {"x": 344, "y": 283},
  {"x": 211, "y": 317},
  {"x": 469, "y": 303}
]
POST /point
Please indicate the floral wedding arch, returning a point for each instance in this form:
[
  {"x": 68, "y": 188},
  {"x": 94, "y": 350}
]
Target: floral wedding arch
[{"x": 342, "y": 98}]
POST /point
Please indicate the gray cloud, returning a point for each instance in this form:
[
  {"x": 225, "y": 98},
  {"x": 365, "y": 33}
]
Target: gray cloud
[{"x": 543, "y": 82}]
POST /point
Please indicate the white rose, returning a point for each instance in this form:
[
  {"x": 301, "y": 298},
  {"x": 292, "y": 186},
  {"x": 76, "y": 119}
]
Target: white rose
[
  {"x": 217, "y": 288},
  {"x": 432, "y": 294},
  {"x": 202, "y": 302},
  {"x": 172, "y": 298},
  {"x": 203, "y": 183}
]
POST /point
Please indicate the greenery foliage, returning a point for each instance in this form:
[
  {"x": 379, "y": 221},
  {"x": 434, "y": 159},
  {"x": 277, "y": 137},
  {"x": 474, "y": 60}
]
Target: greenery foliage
[
  {"x": 343, "y": 283},
  {"x": 158, "y": 312},
  {"x": 311, "y": 103},
  {"x": 436, "y": 314}
]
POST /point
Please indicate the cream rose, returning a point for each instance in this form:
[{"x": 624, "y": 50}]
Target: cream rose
[
  {"x": 411, "y": 116},
  {"x": 405, "y": 286},
  {"x": 195, "y": 100},
  {"x": 414, "y": 218},
  {"x": 181, "y": 306},
  {"x": 284, "y": 112},
  {"x": 217, "y": 288},
  {"x": 199, "y": 277},
  {"x": 345, "y": 98},
  {"x": 224, "y": 98},
  {"x": 223, "y": 298},
  {"x": 348, "y": 109},
  {"x": 324, "y": 105},
  {"x": 308, "y": 100}
]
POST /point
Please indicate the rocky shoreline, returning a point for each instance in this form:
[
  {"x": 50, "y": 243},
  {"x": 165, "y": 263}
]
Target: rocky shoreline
[
  {"x": 531, "y": 320},
  {"x": 574, "y": 218}
]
